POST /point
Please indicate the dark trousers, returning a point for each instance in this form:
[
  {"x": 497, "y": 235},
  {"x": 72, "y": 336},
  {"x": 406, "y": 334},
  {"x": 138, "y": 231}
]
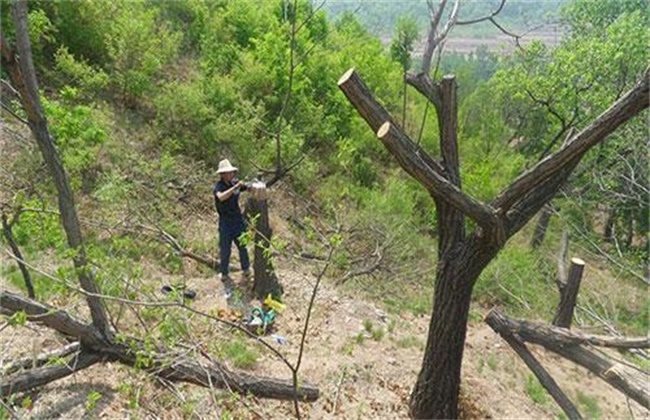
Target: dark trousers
[{"x": 231, "y": 231}]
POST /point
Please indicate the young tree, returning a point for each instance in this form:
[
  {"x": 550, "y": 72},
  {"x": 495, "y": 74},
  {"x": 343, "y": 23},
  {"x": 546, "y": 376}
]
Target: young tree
[
  {"x": 463, "y": 255},
  {"x": 401, "y": 48}
]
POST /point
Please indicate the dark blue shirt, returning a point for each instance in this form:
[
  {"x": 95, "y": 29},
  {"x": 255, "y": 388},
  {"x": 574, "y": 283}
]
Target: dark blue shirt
[{"x": 229, "y": 208}]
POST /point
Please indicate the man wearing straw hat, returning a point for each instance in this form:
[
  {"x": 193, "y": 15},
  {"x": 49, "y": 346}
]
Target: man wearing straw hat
[{"x": 231, "y": 221}]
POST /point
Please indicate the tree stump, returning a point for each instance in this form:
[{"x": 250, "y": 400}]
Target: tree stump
[
  {"x": 569, "y": 294},
  {"x": 265, "y": 281}
]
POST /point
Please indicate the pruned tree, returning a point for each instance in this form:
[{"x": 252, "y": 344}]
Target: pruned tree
[
  {"x": 463, "y": 254},
  {"x": 98, "y": 341}
]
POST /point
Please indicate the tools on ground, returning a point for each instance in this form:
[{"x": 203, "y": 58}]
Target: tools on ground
[{"x": 180, "y": 289}]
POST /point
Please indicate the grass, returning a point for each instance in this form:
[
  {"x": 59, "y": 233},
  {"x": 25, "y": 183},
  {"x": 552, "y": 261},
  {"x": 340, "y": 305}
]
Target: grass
[
  {"x": 535, "y": 390},
  {"x": 241, "y": 355},
  {"x": 408, "y": 342},
  {"x": 588, "y": 405}
]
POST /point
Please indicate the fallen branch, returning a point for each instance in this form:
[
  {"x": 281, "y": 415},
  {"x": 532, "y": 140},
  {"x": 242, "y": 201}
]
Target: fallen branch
[
  {"x": 132, "y": 352},
  {"x": 568, "y": 345},
  {"x": 40, "y": 360},
  {"x": 41, "y": 376},
  {"x": 533, "y": 364}
]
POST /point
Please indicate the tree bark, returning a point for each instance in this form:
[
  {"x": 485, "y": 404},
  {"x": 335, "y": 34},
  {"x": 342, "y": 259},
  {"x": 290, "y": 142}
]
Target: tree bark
[
  {"x": 533, "y": 364},
  {"x": 567, "y": 345},
  {"x": 41, "y": 359},
  {"x": 569, "y": 295},
  {"x": 542, "y": 226},
  {"x": 265, "y": 280},
  {"x": 435, "y": 395},
  {"x": 23, "y": 76},
  {"x": 42, "y": 376},
  {"x": 9, "y": 236}
]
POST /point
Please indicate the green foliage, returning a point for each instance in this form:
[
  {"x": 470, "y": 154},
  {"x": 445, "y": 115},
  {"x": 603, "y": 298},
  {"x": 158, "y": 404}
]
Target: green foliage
[
  {"x": 91, "y": 400},
  {"x": 535, "y": 391},
  {"x": 87, "y": 78},
  {"x": 78, "y": 136},
  {"x": 588, "y": 405},
  {"x": 519, "y": 279},
  {"x": 239, "y": 352},
  {"x": 401, "y": 48},
  {"x": 138, "y": 48}
]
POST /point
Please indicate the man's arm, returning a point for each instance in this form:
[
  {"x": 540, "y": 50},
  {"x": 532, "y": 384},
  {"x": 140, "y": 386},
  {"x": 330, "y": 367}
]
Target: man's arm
[{"x": 224, "y": 195}]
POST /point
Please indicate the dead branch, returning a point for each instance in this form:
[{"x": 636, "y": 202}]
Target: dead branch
[
  {"x": 132, "y": 352},
  {"x": 44, "y": 375},
  {"x": 569, "y": 345},
  {"x": 41, "y": 359},
  {"x": 533, "y": 364},
  {"x": 434, "y": 38},
  {"x": 379, "y": 253}
]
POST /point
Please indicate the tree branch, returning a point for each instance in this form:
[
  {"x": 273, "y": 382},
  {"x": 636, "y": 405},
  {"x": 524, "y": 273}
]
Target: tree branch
[
  {"x": 568, "y": 345},
  {"x": 23, "y": 76},
  {"x": 553, "y": 166},
  {"x": 41, "y": 359},
  {"x": 483, "y": 18},
  {"x": 161, "y": 362},
  {"x": 42, "y": 376},
  {"x": 414, "y": 161},
  {"x": 533, "y": 364}
]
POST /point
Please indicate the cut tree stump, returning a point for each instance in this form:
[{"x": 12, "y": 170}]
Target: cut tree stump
[
  {"x": 569, "y": 294},
  {"x": 257, "y": 211}
]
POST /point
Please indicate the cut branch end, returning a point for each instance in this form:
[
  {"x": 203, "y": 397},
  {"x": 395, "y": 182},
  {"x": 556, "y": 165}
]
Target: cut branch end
[
  {"x": 383, "y": 130},
  {"x": 346, "y": 76}
]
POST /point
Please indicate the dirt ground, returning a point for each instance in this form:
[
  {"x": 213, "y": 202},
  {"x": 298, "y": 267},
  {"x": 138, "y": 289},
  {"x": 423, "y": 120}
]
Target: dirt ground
[{"x": 361, "y": 373}]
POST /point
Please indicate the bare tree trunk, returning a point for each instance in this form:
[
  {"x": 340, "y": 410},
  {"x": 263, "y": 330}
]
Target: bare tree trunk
[
  {"x": 435, "y": 395},
  {"x": 608, "y": 232},
  {"x": 9, "y": 236},
  {"x": 23, "y": 76},
  {"x": 541, "y": 226},
  {"x": 446, "y": 338},
  {"x": 569, "y": 295},
  {"x": 266, "y": 281}
]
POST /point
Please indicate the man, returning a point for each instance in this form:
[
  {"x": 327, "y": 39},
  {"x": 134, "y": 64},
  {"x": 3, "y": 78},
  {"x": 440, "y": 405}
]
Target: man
[{"x": 231, "y": 221}]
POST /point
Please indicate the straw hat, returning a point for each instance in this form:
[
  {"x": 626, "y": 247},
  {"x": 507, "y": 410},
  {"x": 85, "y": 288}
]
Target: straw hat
[{"x": 225, "y": 166}]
